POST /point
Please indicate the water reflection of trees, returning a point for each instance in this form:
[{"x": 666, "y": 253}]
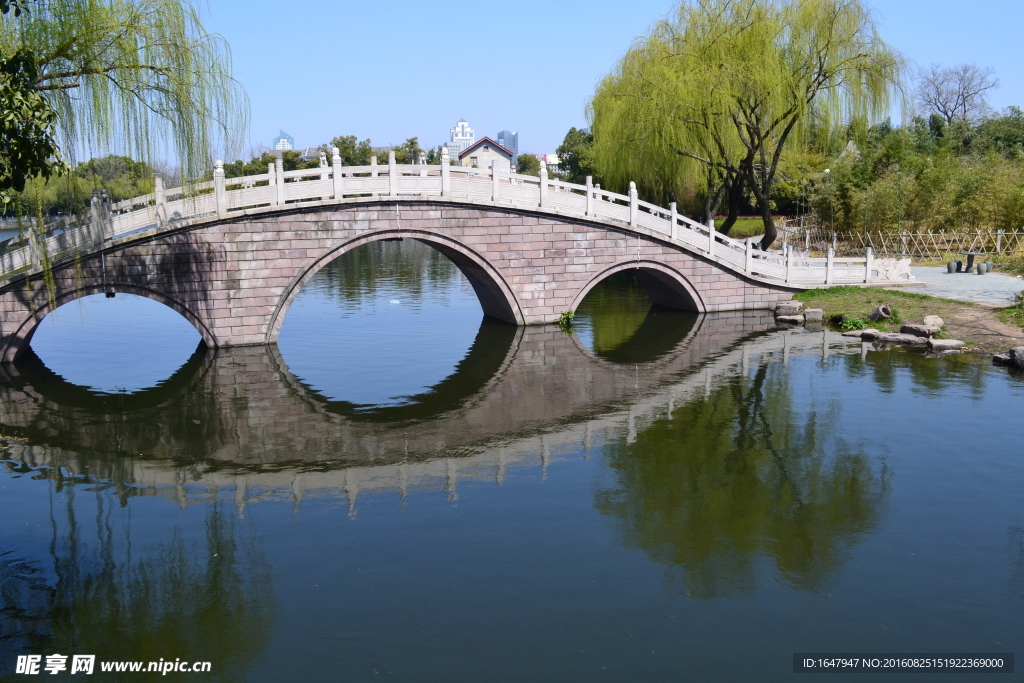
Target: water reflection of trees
[
  {"x": 358, "y": 276},
  {"x": 110, "y": 592},
  {"x": 739, "y": 477}
]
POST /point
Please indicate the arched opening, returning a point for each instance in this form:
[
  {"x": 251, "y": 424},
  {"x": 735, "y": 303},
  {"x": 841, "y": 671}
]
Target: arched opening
[
  {"x": 622, "y": 320},
  {"x": 120, "y": 344},
  {"x": 393, "y": 328}
]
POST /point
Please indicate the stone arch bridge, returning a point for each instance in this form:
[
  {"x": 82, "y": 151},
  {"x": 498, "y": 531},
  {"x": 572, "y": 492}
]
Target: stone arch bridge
[{"x": 230, "y": 255}]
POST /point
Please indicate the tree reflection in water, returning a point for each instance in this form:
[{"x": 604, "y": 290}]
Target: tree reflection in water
[
  {"x": 738, "y": 476},
  {"x": 110, "y": 594}
]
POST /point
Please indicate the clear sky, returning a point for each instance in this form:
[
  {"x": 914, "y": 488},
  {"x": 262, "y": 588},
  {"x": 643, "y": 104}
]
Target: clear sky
[{"x": 392, "y": 69}]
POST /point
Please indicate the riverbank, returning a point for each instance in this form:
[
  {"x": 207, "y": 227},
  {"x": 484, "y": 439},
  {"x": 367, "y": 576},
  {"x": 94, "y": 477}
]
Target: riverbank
[{"x": 984, "y": 328}]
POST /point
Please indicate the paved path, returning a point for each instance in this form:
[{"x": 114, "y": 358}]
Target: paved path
[{"x": 994, "y": 289}]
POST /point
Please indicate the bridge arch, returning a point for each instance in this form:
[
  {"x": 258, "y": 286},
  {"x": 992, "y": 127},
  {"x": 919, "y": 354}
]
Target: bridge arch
[
  {"x": 665, "y": 285},
  {"x": 495, "y": 295},
  {"x": 22, "y": 337}
]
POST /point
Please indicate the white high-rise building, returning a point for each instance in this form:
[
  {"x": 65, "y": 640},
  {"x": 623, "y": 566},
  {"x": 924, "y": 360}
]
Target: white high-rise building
[{"x": 462, "y": 136}]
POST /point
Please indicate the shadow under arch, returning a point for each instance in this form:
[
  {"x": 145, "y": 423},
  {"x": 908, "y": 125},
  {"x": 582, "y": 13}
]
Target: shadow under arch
[
  {"x": 22, "y": 338},
  {"x": 665, "y": 286},
  {"x": 493, "y": 349},
  {"x": 495, "y": 296}
]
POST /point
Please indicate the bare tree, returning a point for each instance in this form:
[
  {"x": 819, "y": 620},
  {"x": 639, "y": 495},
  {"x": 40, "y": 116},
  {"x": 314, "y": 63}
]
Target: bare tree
[{"x": 957, "y": 93}]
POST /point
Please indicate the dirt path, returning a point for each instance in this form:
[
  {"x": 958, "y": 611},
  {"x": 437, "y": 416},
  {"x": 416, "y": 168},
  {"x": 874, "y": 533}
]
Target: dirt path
[{"x": 979, "y": 324}]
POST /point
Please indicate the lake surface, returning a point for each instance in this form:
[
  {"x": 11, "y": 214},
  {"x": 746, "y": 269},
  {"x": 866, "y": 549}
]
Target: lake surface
[{"x": 401, "y": 490}]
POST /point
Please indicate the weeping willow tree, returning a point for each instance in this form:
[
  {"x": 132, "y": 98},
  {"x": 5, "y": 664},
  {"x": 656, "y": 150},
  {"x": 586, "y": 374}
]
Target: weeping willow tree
[
  {"x": 139, "y": 77},
  {"x": 715, "y": 94}
]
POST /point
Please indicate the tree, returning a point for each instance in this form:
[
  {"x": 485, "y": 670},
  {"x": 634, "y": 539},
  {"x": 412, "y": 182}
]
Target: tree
[
  {"x": 716, "y": 94},
  {"x": 408, "y": 152},
  {"x": 956, "y": 93},
  {"x": 126, "y": 73},
  {"x": 528, "y": 164},
  {"x": 26, "y": 123},
  {"x": 353, "y": 152},
  {"x": 575, "y": 156}
]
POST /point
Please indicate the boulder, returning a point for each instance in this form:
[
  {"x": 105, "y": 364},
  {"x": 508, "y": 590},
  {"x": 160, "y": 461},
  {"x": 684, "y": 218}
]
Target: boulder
[
  {"x": 944, "y": 344},
  {"x": 789, "y": 308},
  {"x": 883, "y": 312},
  {"x": 854, "y": 333},
  {"x": 814, "y": 315},
  {"x": 1002, "y": 359},
  {"x": 791, "y": 319},
  {"x": 1017, "y": 356},
  {"x": 869, "y": 334},
  {"x": 899, "y": 338},
  {"x": 926, "y": 331},
  {"x": 933, "y": 320}
]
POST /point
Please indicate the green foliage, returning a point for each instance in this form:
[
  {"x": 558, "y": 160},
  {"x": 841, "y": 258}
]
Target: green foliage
[
  {"x": 713, "y": 96},
  {"x": 1014, "y": 315},
  {"x": 133, "y": 75},
  {"x": 575, "y": 156},
  {"x": 528, "y": 164},
  {"x": 565, "y": 319},
  {"x": 851, "y": 323},
  {"x": 409, "y": 152},
  {"x": 353, "y": 152},
  {"x": 69, "y": 193}
]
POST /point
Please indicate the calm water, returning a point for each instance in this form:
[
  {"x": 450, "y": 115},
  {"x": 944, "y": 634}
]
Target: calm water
[{"x": 402, "y": 491}]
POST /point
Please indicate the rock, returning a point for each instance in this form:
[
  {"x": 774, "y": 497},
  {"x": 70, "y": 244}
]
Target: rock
[
  {"x": 933, "y": 320},
  {"x": 1002, "y": 359},
  {"x": 814, "y": 315},
  {"x": 944, "y": 344},
  {"x": 789, "y": 308},
  {"x": 925, "y": 331},
  {"x": 854, "y": 333},
  {"x": 792, "y": 319},
  {"x": 869, "y": 334},
  {"x": 883, "y": 312},
  {"x": 1017, "y": 355},
  {"x": 899, "y": 338}
]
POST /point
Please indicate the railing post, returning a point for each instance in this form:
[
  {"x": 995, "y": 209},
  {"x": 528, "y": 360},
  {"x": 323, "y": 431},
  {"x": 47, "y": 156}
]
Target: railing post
[
  {"x": 272, "y": 176},
  {"x": 868, "y": 259},
  {"x": 999, "y": 242},
  {"x": 673, "y": 219},
  {"x": 543, "y": 183},
  {"x": 160, "y": 200},
  {"x": 446, "y": 173},
  {"x": 789, "y": 262},
  {"x": 373, "y": 166},
  {"x": 336, "y": 165},
  {"x": 423, "y": 163},
  {"x": 495, "y": 186},
  {"x": 748, "y": 256},
  {"x": 218, "y": 188},
  {"x": 589, "y": 211},
  {"x": 829, "y": 260},
  {"x": 633, "y": 207},
  {"x": 711, "y": 240},
  {"x": 323, "y": 165},
  {"x": 279, "y": 172},
  {"x": 392, "y": 174}
]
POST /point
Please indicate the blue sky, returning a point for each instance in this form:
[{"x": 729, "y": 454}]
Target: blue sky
[{"x": 391, "y": 69}]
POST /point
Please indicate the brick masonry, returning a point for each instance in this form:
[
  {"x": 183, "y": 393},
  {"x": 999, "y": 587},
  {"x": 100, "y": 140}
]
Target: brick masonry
[{"x": 234, "y": 279}]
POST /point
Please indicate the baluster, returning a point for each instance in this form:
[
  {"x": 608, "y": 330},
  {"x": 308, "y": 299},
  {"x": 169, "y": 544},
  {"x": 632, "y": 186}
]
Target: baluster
[
  {"x": 272, "y": 176},
  {"x": 373, "y": 166},
  {"x": 392, "y": 174},
  {"x": 218, "y": 188},
  {"x": 160, "y": 197},
  {"x": 423, "y": 163},
  {"x": 748, "y": 256},
  {"x": 543, "y": 183},
  {"x": 446, "y": 173},
  {"x": 336, "y": 165},
  {"x": 673, "y": 219},
  {"x": 633, "y": 206},
  {"x": 279, "y": 172},
  {"x": 829, "y": 260},
  {"x": 589, "y": 211},
  {"x": 711, "y": 238},
  {"x": 495, "y": 187}
]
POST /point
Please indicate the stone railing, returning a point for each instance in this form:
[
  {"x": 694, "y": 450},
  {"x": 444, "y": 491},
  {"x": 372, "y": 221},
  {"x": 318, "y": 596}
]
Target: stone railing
[{"x": 226, "y": 197}]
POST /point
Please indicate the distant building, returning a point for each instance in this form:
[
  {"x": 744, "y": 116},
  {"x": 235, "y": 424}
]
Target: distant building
[
  {"x": 284, "y": 142},
  {"x": 462, "y": 136},
  {"x": 550, "y": 159},
  {"x": 484, "y": 152},
  {"x": 510, "y": 141},
  {"x": 310, "y": 153}
]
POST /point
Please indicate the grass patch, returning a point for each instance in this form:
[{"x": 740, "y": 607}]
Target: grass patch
[
  {"x": 1014, "y": 315},
  {"x": 848, "y": 307},
  {"x": 1013, "y": 265},
  {"x": 746, "y": 227}
]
